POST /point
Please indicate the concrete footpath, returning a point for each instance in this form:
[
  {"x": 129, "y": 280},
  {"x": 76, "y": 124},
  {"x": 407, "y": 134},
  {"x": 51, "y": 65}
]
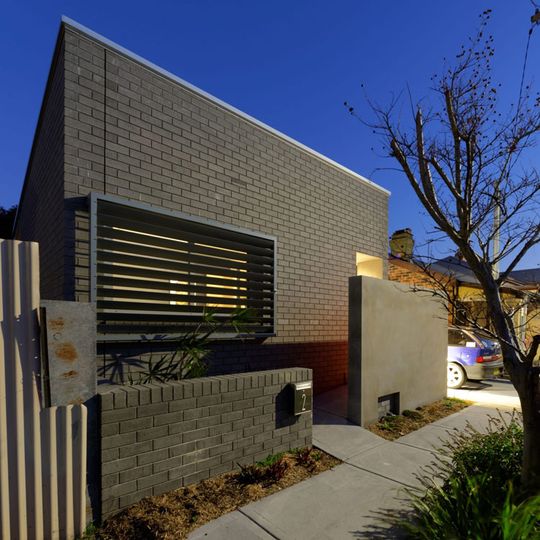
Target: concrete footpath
[{"x": 343, "y": 502}]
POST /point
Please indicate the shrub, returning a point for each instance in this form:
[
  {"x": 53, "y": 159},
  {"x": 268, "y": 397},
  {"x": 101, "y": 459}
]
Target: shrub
[
  {"x": 276, "y": 471},
  {"x": 271, "y": 459},
  {"x": 496, "y": 454},
  {"x": 307, "y": 458},
  {"x": 303, "y": 456},
  {"x": 389, "y": 422},
  {"x": 271, "y": 469},
  {"x": 188, "y": 359},
  {"x": 451, "y": 403},
  {"x": 250, "y": 474},
  {"x": 463, "y": 508},
  {"x": 474, "y": 492}
]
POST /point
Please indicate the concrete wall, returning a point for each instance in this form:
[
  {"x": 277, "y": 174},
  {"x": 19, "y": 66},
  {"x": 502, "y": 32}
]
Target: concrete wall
[
  {"x": 158, "y": 437},
  {"x": 397, "y": 343}
]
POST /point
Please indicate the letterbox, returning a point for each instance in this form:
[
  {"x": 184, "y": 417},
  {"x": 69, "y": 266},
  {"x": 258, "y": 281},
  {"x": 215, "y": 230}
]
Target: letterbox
[{"x": 303, "y": 397}]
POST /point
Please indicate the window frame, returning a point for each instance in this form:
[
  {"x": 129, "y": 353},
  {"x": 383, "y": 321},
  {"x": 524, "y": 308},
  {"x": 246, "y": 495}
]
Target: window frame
[{"x": 94, "y": 199}]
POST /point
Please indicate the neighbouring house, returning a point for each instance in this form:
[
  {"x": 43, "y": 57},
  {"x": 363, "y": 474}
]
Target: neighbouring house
[
  {"x": 530, "y": 280},
  {"x": 157, "y": 201},
  {"x": 519, "y": 292}
]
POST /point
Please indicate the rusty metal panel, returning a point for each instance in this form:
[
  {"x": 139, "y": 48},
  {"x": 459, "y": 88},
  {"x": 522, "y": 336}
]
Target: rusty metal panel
[{"x": 71, "y": 350}]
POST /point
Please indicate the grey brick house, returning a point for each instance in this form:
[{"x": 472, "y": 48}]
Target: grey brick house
[{"x": 154, "y": 199}]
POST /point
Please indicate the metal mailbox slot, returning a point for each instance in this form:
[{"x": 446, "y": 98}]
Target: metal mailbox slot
[{"x": 303, "y": 397}]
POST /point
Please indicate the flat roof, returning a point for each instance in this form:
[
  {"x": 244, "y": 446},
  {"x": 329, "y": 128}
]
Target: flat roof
[{"x": 118, "y": 48}]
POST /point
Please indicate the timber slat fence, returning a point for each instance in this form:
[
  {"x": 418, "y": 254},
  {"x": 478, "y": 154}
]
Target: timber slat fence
[{"x": 42, "y": 449}]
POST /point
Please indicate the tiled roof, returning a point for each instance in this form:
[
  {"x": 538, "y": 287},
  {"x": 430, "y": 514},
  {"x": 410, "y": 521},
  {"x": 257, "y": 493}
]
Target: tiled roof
[{"x": 530, "y": 275}]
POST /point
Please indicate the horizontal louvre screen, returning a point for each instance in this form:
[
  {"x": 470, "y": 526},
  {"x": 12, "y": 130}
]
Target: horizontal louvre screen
[{"x": 157, "y": 274}]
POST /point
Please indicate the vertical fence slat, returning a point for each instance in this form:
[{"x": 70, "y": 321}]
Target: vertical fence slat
[
  {"x": 65, "y": 471},
  {"x": 5, "y": 350},
  {"x": 30, "y": 364},
  {"x": 14, "y": 389},
  {"x": 4, "y": 479},
  {"x": 50, "y": 480},
  {"x": 80, "y": 418}
]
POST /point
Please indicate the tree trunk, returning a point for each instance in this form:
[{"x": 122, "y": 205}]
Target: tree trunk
[
  {"x": 527, "y": 382},
  {"x": 526, "y": 379}
]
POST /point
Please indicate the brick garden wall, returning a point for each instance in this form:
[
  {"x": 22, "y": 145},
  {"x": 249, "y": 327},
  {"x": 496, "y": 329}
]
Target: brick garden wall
[{"x": 158, "y": 437}]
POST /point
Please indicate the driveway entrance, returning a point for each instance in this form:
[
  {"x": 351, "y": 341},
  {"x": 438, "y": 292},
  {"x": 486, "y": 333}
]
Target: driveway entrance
[{"x": 492, "y": 393}]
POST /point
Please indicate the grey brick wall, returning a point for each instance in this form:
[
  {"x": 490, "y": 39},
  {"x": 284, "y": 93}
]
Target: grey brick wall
[
  {"x": 158, "y": 437},
  {"x": 41, "y": 208},
  {"x": 328, "y": 360},
  {"x": 84, "y": 147},
  {"x": 169, "y": 147},
  {"x": 130, "y": 131}
]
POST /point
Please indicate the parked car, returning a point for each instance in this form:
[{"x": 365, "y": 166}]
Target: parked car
[{"x": 471, "y": 356}]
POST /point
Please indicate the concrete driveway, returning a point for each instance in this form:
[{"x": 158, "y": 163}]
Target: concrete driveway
[{"x": 489, "y": 393}]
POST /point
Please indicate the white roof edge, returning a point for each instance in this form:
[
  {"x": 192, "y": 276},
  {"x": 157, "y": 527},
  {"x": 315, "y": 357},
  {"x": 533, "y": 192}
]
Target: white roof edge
[{"x": 217, "y": 101}]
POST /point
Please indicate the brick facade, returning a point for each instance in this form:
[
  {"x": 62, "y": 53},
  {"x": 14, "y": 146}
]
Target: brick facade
[
  {"x": 156, "y": 438},
  {"x": 409, "y": 274},
  {"x": 41, "y": 208},
  {"x": 133, "y": 132}
]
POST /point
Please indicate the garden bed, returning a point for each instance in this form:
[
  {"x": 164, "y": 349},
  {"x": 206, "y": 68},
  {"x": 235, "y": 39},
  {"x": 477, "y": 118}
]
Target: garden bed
[
  {"x": 395, "y": 426},
  {"x": 175, "y": 514}
]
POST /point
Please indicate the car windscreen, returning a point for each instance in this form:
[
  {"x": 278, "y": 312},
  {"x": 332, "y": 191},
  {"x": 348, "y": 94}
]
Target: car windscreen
[{"x": 488, "y": 342}]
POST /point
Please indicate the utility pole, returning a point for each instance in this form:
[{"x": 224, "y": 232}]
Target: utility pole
[
  {"x": 535, "y": 19},
  {"x": 496, "y": 232}
]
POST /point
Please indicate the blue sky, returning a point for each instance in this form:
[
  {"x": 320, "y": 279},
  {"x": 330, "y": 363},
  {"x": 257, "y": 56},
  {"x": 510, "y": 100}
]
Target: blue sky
[{"x": 290, "y": 64}]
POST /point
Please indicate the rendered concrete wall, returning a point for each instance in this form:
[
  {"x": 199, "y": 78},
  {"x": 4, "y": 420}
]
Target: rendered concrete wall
[
  {"x": 397, "y": 343},
  {"x": 159, "y": 437}
]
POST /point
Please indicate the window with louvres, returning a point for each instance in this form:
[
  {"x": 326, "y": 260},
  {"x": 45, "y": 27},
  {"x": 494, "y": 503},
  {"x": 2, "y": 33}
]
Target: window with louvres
[{"x": 157, "y": 273}]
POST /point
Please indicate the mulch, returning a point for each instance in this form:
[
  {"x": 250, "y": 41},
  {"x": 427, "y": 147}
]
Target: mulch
[
  {"x": 395, "y": 426},
  {"x": 175, "y": 514}
]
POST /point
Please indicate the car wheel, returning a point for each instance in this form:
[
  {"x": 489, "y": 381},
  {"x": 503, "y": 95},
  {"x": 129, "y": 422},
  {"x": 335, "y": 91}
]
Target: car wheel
[{"x": 456, "y": 376}]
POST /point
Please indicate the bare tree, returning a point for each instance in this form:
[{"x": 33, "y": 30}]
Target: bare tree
[{"x": 466, "y": 163}]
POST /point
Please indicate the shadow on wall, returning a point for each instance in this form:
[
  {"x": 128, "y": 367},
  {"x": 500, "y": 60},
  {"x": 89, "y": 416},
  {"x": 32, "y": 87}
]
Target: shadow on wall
[
  {"x": 284, "y": 400},
  {"x": 124, "y": 362},
  {"x": 328, "y": 360}
]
